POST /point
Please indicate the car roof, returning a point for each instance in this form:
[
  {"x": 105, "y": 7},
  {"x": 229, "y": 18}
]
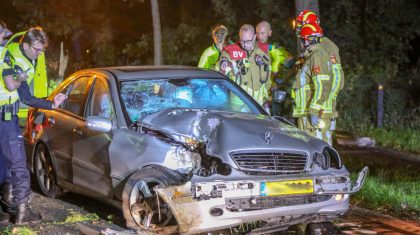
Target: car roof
[{"x": 127, "y": 73}]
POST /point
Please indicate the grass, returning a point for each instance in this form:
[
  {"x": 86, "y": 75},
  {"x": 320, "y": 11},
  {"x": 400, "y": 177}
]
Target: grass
[
  {"x": 390, "y": 189},
  {"x": 75, "y": 217},
  {"x": 397, "y": 138},
  {"x": 18, "y": 231},
  {"x": 400, "y": 198}
]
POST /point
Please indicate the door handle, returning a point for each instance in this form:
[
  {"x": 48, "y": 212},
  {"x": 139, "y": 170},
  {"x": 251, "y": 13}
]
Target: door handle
[
  {"x": 77, "y": 131},
  {"x": 51, "y": 121}
]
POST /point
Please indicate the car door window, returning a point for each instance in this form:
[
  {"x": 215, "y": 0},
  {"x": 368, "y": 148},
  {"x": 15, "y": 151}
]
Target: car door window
[
  {"x": 76, "y": 92},
  {"x": 100, "y": 103}
]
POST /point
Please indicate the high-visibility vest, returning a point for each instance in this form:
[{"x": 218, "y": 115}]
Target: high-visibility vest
[
  {"x": 37, "y": 77},
  {"x": 6, "y": 96},
  {"x": 209, "y": 58}
]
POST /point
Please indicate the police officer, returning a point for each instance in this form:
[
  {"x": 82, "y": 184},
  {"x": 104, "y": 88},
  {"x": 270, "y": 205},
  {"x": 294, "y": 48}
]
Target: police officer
[
  {"x": 247, "y": 62},
  {"x": 19, "y": 69},
  {"x": 312, "y": 85},
  {"x": 210, "y": 56},
  {"x": 336, "y": 70},
  {"x": 4, "y": 32}
]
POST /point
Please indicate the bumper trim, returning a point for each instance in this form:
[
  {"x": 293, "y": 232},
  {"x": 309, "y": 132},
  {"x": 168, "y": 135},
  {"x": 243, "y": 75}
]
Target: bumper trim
[{"x": 356, "y": 185}]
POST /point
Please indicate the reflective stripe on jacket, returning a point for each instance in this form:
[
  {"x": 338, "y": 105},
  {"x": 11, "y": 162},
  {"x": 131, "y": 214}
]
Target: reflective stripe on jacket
[
  {"x": 336, "y": 73},
  {"x": 312, "y": 84}
]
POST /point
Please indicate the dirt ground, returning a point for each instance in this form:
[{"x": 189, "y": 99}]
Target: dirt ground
[
  {"x": 74, "y": 207},
  {"x": 61, "y": 216}
]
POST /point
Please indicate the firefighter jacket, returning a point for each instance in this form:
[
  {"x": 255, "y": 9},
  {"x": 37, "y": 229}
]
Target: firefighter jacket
[
  {"x": 14, "y": 62},
  {"x": 209, "y": 58},
  {"x": 249, "y": 69},
  {"x": 312, "y": 85},
  {"x": 336, "y": 73}
]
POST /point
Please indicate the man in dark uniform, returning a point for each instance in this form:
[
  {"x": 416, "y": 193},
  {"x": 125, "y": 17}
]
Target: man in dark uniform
[
  {"x": 4, "y": 32},
  {"x": 18, "y": 71}
]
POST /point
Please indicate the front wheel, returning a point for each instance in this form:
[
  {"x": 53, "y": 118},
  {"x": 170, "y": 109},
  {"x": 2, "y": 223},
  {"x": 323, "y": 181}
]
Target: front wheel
[
  {"x": 322, "y": 228},
  {"x": 141, "y": 204},
  {"x": 44, "y": 172}
]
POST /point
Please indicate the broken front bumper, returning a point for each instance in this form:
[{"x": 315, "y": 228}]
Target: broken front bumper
[{"x": 208, "y": 206}]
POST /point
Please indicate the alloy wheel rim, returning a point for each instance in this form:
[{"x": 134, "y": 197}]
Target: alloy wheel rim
[{"x": 144, "y": 211}]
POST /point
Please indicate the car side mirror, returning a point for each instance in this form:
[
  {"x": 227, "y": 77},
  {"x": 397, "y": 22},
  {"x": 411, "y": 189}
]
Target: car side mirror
[
  {"x": 279, "y": 95},
  {"x": 100, "y": 124}
]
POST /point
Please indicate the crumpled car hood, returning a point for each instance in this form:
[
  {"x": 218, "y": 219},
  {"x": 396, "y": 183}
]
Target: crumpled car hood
[{"x": 225, "y": 131}]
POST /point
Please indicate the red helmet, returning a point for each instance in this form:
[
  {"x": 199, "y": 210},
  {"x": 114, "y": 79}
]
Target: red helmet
[
  {"x": 311, "y": 33},
  {"x": 305, "y": 17}
]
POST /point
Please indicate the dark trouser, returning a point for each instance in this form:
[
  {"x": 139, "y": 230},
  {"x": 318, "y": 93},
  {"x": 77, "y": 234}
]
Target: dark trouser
[{"x": 12, "y": 153}]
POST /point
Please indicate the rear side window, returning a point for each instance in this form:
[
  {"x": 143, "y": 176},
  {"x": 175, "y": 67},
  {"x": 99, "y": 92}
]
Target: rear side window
[{"x": 76, "y": 92}]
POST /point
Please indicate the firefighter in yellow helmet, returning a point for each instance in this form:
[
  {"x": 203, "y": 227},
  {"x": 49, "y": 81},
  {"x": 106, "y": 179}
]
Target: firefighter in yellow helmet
[
  {"x": 247, "y": 62},
  {"x": 312, "y": 85}
]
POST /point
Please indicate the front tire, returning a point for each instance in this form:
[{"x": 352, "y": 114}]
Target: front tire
[
  {"x": 141, "y": 211},
  {"x": 44, "y": 172},
  {"x": 322, "y": 228}
]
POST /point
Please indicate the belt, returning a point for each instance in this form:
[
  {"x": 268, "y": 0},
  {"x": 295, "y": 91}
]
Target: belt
[{"x": 13, "y": 108}]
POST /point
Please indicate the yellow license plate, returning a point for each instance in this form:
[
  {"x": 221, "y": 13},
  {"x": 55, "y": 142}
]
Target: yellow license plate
[{"x": 290, "y": 187}]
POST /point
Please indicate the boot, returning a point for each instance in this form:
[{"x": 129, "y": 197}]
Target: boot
[
  {"x": 7, "y": 198},
  {"x": 4, "y": 217},
  {"x": 25, "y": 215}
]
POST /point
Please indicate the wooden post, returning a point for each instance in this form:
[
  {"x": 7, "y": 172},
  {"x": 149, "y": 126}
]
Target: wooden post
[{"x": 380, "y": 114}]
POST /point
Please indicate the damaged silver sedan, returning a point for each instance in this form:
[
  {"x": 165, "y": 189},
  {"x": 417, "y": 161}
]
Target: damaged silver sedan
[{"x": 183, "y": 150}]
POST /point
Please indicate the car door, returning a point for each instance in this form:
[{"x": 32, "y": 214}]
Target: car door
[
  {"x": 91, "y": 167},
  {"x": 61, "y": 123}
]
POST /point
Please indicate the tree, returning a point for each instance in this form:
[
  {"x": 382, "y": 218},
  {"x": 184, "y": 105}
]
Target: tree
[
  {"x": 302, "y": 5},
  {"x": 157, "y": 33}
]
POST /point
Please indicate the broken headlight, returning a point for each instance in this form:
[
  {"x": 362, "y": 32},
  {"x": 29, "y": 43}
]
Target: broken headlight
[{"x": 329, "y": 158}]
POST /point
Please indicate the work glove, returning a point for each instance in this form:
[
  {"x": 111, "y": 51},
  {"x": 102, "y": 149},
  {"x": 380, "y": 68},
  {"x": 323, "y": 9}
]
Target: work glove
[
  {"x": 267, "y": 107},
  {"x": 315, "y": 120}
]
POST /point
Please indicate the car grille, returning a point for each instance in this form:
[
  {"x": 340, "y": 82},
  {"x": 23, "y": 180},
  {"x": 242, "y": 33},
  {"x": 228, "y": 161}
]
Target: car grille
[
  {"x": 241, "y": 204},
  {"x": 270, "y": 163}
]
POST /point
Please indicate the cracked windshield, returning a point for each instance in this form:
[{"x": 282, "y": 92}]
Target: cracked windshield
[{"x": 142, "y": 98}]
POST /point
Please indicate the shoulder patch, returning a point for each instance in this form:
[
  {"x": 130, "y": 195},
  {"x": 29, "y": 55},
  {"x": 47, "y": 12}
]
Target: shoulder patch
[
  {"x": 333, "y": 59},
  {"x": 316, "y": 69}
]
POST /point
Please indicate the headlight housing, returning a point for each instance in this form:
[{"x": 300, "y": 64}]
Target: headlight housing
[{"x": 329, "y": 158}]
